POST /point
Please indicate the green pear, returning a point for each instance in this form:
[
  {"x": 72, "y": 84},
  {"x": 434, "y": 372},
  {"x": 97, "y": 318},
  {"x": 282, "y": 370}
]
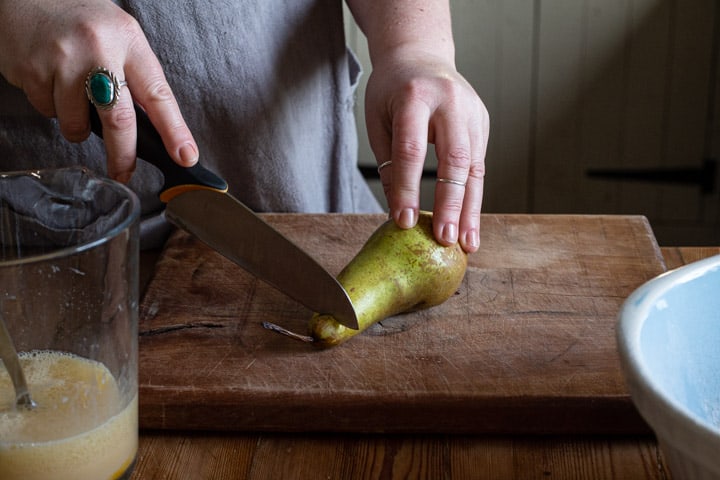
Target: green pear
[{"x": 396, "y": 271}]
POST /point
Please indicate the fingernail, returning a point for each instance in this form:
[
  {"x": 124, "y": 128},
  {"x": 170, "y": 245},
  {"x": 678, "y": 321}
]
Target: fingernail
[
  {"x": 406, "y": 219},
  {"x": 472, "y": 239},
  {"x": 188, "y": 154},
  {"x": 450, "y": 233}
]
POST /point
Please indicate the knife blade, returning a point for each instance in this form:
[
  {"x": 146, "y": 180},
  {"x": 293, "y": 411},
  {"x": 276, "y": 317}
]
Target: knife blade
[{"x": 198, "y": 202}]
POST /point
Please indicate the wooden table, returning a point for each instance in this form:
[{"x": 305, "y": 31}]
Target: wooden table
[{"x": 211, "y": 455}]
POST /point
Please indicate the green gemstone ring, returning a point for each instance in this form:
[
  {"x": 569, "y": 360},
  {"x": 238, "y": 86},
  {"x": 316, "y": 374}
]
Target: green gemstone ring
[{"x": 103, "y": 88}]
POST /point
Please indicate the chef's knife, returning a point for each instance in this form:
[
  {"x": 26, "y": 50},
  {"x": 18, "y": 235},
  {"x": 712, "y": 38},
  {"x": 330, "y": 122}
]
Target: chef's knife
[{"x": 197, "y": 201}]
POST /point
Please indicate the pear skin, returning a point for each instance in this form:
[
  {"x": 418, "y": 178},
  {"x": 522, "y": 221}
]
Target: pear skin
[{"x": 396, "y": 271}]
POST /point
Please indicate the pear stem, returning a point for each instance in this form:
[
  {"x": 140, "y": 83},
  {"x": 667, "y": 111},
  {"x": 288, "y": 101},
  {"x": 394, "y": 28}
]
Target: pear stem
[{"x": 288, "y": 333}]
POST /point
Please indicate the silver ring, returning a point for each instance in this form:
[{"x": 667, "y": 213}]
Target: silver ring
[
  {"x": 383, "y": 165},
  {"x": 454, "y": 182},
  {"x": 102, "y": 88}
]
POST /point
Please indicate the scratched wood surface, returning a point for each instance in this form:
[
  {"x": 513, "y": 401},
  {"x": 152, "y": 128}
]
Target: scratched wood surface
[
  {"x": 200, "y": 455},
  {"x": 527, "y": 345}
]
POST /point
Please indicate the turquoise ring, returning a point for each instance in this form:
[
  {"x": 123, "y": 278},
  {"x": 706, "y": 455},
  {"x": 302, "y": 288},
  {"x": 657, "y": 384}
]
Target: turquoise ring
[{"x": 103, "y": 88}]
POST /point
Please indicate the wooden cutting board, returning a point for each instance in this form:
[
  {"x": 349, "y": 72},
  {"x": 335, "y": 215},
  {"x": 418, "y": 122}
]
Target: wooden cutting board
[{"x": 527, "y": 345}]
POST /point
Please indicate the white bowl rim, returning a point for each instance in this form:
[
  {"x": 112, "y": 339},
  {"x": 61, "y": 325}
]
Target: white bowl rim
[{"x": 631, "y": 318}]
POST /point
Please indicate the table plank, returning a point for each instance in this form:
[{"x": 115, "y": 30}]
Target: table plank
[{"x": 311, "y": 456}]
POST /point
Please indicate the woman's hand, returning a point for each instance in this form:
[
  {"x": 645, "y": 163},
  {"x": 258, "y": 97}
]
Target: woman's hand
[
  {"x": 415, "y": 96},
  {"x": 413, "y": 100},
  {"x": 48, "y": 50}
]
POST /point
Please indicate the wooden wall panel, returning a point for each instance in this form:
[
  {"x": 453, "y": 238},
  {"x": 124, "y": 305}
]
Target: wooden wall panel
[
  {"x": 557, "y": 133},
  {"x": 494, "y": 44},
  {"x": 643, "y": 118},
  {"x": 687, "y": 107},
  {"x": 636, "y": 76}
]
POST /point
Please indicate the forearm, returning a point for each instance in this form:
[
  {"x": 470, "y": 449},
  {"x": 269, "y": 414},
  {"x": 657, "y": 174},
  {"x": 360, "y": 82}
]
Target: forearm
[{"x": 410, "y": 27}]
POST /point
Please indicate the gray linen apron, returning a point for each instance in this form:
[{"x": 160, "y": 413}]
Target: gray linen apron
[{"x": 267, "y": 88}]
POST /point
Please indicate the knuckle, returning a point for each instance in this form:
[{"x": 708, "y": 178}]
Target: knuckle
[
  {"x": 121, "y": 118},
  {"x": 409, "y": 151},
  {"x": 415, "y": 89},
  {"x": 61, "y": 51},
  {"x": 477, "y": 170},
  {"x": 159, "y": 91},
  {"x": 88, "y": 32},
  {"x": 113, "y": 22},
  {"x": 450, "y": 206},
  {"x": 130, "y": 26},
  {"x": 453, "y": 204},
  {"x": 459, "y": 157}
]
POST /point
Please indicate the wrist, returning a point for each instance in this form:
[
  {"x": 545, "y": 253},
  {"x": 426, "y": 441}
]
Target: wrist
[{"x": 413, "y": 56}]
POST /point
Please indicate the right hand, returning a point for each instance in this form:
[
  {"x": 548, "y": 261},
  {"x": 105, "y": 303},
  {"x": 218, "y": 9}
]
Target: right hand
[{"x": 48, "y": 49}]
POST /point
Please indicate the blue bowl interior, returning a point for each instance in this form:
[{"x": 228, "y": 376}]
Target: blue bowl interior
[{"x": 680, "y": 346}]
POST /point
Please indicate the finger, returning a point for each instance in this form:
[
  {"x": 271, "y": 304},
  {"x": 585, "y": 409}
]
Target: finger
[
  {"x": 469, "y": 231},
  {"x": 70, "y": 104},
  {"x": 380, "y": 139},
  {"x": 119, "y": 132},
  {"x": 454, "y": 151},
  {"x": 469, "y": 227},
  {"x": 385, "y": 173},
  {"x": 39, "y": 93},
  {"x": 152, "y": 92},
  {"x": 408, "y": 149}
]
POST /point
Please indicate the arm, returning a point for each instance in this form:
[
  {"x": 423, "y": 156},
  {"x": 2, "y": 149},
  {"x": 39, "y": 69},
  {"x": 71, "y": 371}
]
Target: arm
[
  {"x": 48, "y": 49},
  {"x": 415, "y": 96}
]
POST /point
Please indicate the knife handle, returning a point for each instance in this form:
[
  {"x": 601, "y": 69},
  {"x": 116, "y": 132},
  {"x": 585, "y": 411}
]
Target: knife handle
[{"x": 150, "y": 148}]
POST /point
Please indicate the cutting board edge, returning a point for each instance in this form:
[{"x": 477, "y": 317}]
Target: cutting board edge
[{"x": 611, "y": 415}]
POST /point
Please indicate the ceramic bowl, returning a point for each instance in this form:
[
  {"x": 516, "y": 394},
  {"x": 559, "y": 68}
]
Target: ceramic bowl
[{"x": 669, "y": 343}]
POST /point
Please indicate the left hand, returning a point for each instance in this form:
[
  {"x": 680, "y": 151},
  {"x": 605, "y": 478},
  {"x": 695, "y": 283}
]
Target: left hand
[{"x": 411, "y": 102}]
